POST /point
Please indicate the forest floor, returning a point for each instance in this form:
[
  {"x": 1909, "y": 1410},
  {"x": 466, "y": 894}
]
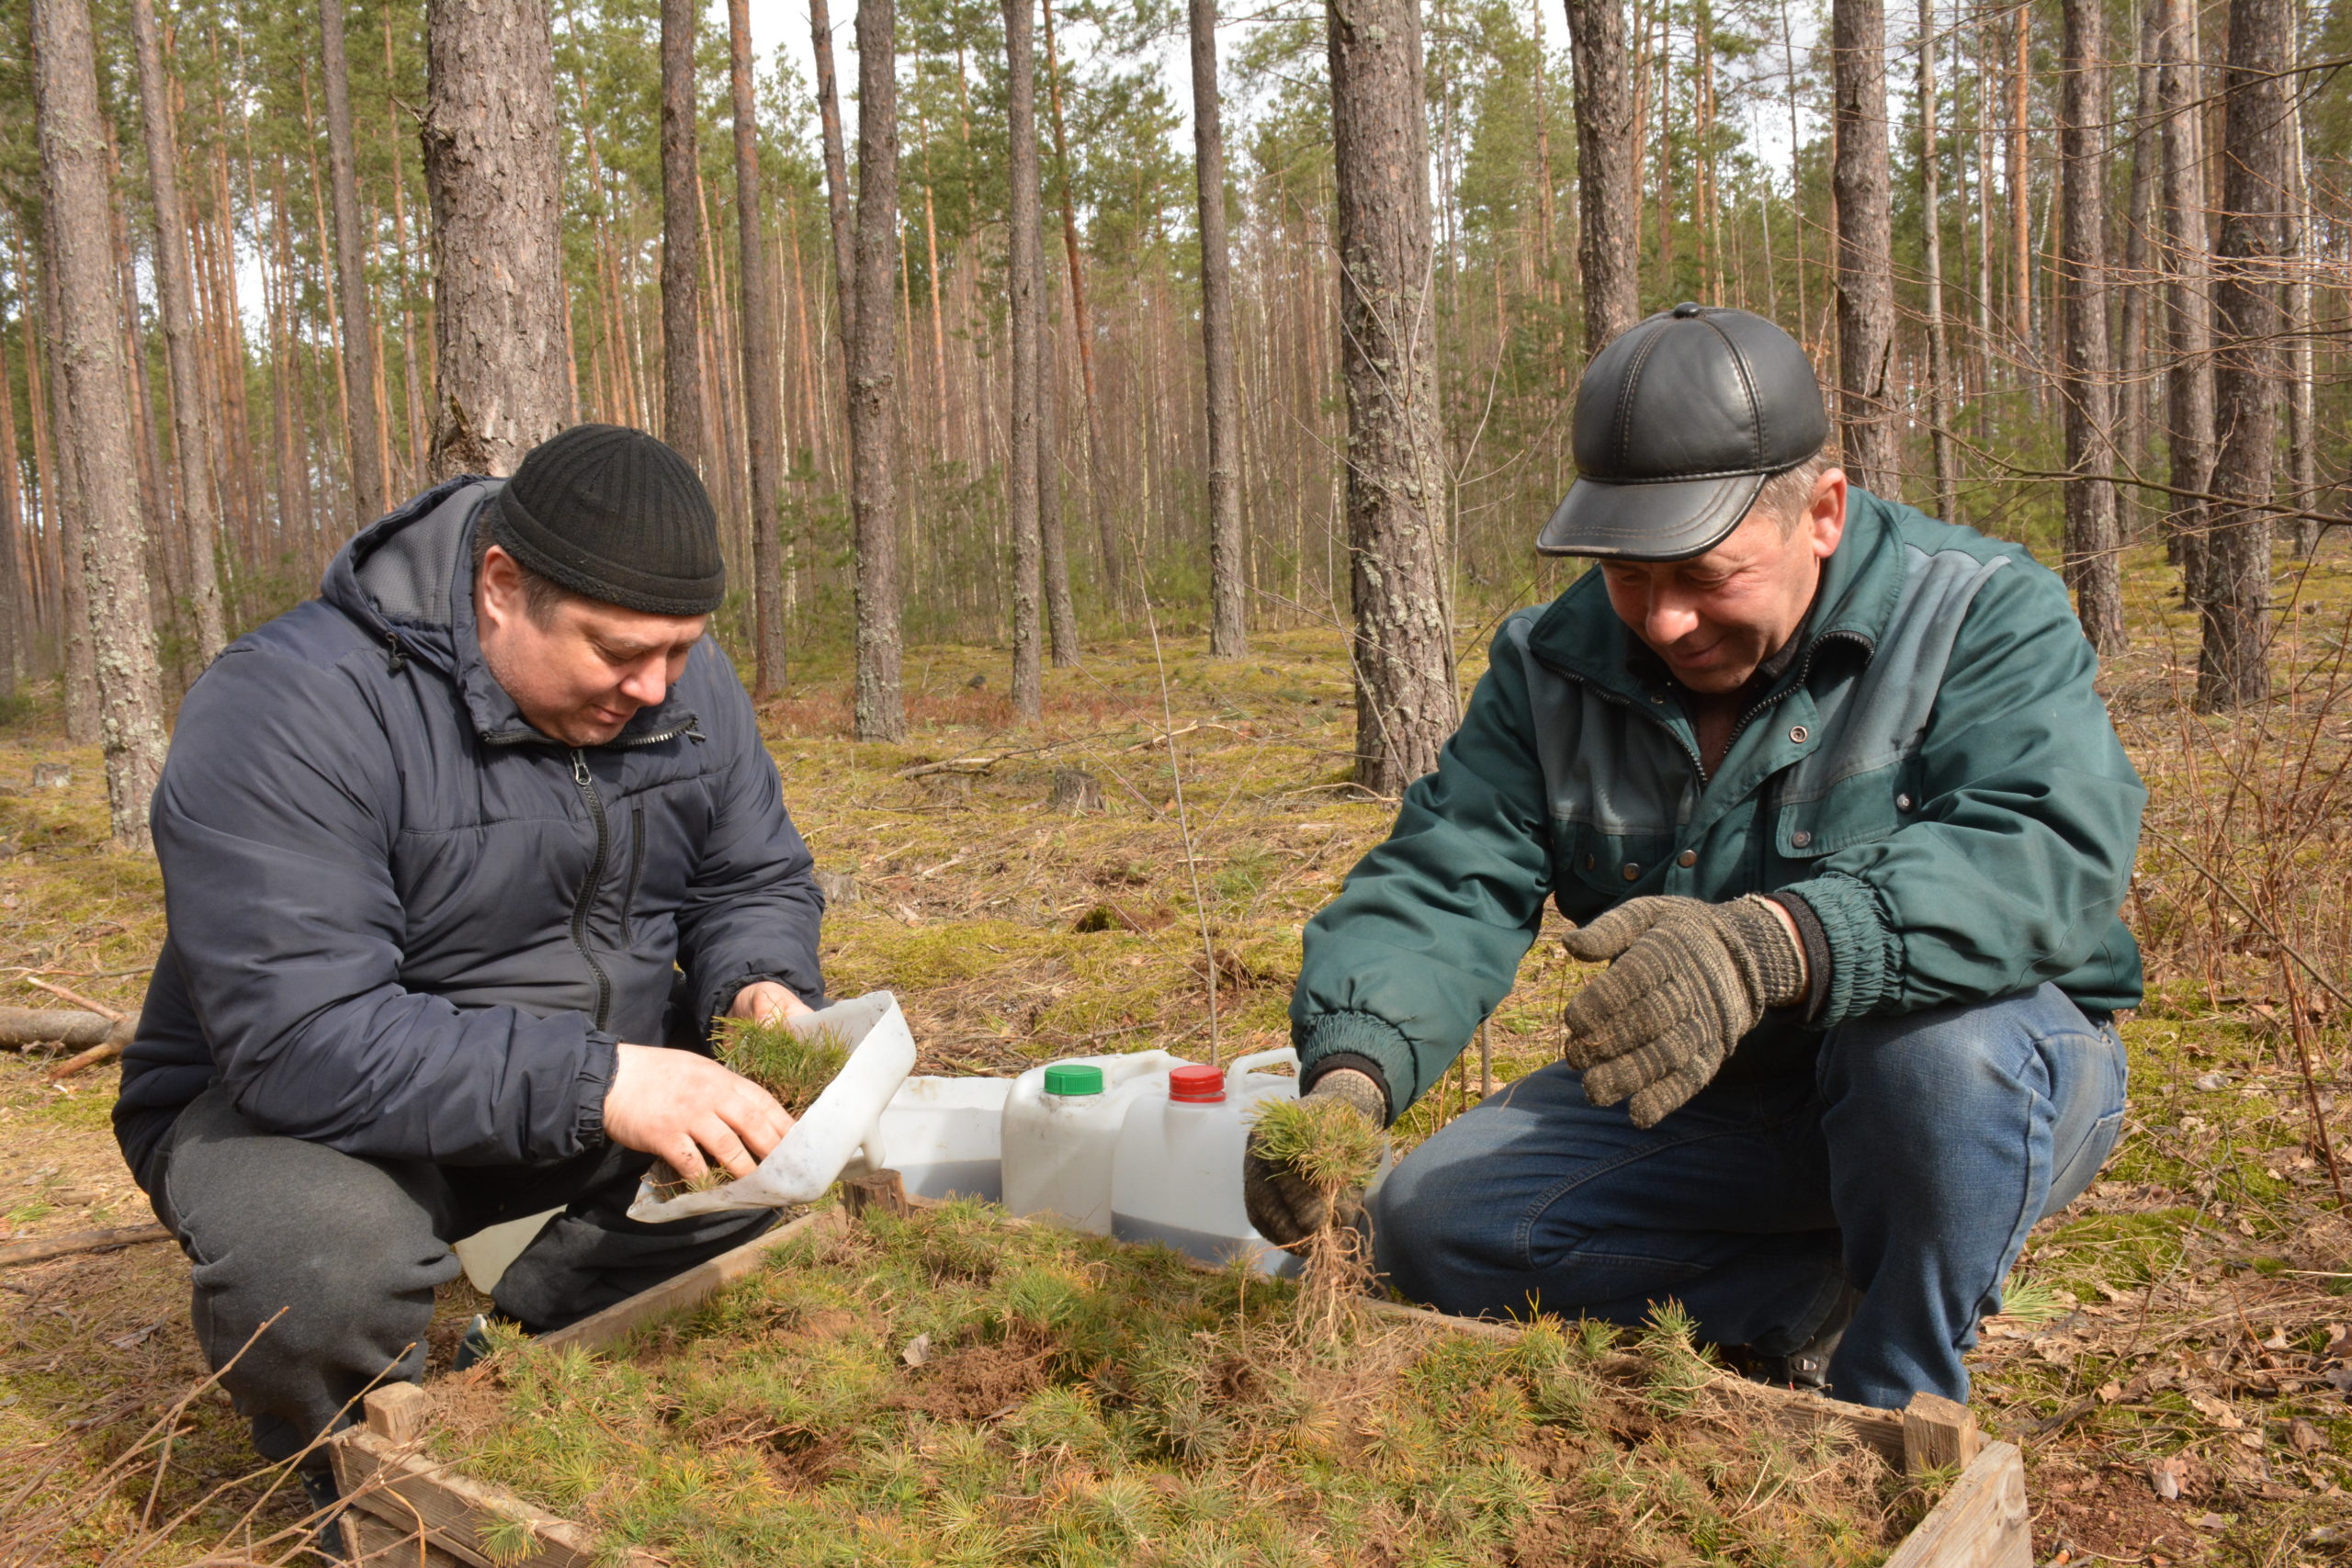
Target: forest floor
[{"x": 2176, "y": 1355}]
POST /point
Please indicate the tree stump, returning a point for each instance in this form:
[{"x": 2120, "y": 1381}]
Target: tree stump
[{"x": 1075, "y": 790}]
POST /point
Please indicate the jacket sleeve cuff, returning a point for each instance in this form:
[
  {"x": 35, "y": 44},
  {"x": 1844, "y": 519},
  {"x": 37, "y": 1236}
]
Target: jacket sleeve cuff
[
  {"x": 1820, "y": 965},
  {"x": 596, "y": 1075},
  {"x": 1377, "y": 1046},
  {"x": 1863, "y": 953},
  {"x": 1348, "y": 1061}
]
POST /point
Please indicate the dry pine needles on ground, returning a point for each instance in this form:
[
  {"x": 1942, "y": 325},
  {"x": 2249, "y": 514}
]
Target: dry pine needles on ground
[{"x": 954, "y": 1386}]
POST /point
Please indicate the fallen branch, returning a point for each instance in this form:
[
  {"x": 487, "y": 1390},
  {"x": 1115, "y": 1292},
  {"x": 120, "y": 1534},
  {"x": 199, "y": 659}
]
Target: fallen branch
[
  {"x": 43, "y": 1249},
  {"x": 54, "y": 1026},
  {"x": 106, "y": 1050},
  {"x": 76, "y": 997}
]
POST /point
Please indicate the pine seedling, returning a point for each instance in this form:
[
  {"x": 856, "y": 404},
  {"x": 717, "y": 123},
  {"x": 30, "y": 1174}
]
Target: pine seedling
[
  {"x": 791, "y": 1065},
  {"x": 1330, "y": 1147}
]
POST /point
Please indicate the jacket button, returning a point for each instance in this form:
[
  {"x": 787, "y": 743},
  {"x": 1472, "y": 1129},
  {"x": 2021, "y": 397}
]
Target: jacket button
[
  {"x": 1633, "y": 872},
  {"x": 1687, "y": 858},
  {"x": 1903, "y": 803},
  {"x": 1800, "y": 734},
  {"x": 1801, "y": 838}
]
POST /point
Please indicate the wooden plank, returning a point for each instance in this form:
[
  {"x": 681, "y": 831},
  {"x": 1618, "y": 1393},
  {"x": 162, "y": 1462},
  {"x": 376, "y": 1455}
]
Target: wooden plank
[
  {"x": 1939, "y": 1434},
  {"x": 426, "y": 1498},
  {"x": 372, "y": 1541},
  {"x": 1981, "y": 1521},
  {"x": 688, "y": 1288}
]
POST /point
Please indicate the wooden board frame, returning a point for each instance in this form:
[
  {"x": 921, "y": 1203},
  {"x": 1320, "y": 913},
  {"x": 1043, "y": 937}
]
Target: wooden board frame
[{"x": 405, "y": 1507}]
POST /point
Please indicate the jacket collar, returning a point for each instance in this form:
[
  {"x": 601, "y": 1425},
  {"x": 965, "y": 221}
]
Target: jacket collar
[
  {"x": 408, "y": 580},
  {"x": 1580, "y": 635}
]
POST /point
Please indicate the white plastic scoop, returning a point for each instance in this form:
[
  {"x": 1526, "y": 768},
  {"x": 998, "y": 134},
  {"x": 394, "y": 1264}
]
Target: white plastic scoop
[{"x": 821, "y": 1142}]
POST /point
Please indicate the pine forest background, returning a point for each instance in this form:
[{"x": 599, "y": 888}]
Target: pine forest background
[{"x": 1733, "y": 146}]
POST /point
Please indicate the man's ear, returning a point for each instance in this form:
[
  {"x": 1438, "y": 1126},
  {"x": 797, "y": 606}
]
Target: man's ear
[
  {"x": 1825, "y": 514},
  {"x": 500, "y": 585}
]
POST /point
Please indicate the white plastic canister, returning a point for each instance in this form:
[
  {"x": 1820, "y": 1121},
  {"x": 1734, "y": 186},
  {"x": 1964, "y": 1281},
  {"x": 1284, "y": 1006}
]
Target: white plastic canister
[
  {"x": 1061, "y": 1131},
  {"x": 945, "y": 1137},
  {"x": 1177, "y": 1177}
]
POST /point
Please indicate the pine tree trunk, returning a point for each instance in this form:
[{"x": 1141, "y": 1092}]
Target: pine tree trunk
[
  {"x": 2303, "y": 402},
  {"x": 1403, "y": 646},
  {"x": 1022, "y": 266},
  {"x": 828, "y": 114},
  {"x": 1115, "y": 565},
  {"x": 1608, "y": 204},
  {"x": 502, "y": 378},
  {"x": 763, "y": 421},
  {"x": 16, "y": 604},
  {"x": 75, "y": 202},
  {"x": 83, "y": 726},
  {"x": 2234, "y": 667},
  {"x": 192, "y": 451},
  {"x": 1939, "y": 368},
  {"x": 2091, "y": 565},
  {"x": 875, "y": 401},
  {"x": 1228, "y": 594},
  {"x": 2189, "y": 321},
  {"x": 1061, "y": 612},
  {"x": 1865, "y": 186},
  {"x": 363, "y": 439},
  {"x": 682, "y": 420},
  {"x": 2133, "y": 377}
]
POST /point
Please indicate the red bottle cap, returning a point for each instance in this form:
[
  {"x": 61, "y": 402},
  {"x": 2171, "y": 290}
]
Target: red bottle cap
[{"x": 1196, "y": 1086}]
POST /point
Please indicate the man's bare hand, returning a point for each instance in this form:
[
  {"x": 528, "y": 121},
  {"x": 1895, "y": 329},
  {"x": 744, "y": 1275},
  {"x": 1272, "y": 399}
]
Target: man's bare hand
[
  {"x": 764, "y": 1001},
  {"x": 691, "y": 1111}
]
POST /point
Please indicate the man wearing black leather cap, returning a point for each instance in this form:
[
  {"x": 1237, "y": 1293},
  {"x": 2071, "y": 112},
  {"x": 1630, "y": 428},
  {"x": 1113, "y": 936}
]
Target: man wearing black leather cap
[
  {"x": 454, "y": 857},
  {"x": 1826, "y": 785}
]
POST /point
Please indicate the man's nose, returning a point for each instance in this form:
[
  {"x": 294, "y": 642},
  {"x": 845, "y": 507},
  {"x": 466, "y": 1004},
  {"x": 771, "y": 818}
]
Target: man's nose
[
  {"x": 1670, "y": 618},
  {"x": 647, "y": 683}
]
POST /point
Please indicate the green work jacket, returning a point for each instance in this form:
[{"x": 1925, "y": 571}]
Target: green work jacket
[{"x": 1933, "y": 775}]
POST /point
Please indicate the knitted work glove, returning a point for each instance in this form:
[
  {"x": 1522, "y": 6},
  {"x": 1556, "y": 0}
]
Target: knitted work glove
[
  {"x": 1284, "y": 1209},
  {"x": 1686, "y": 979}
]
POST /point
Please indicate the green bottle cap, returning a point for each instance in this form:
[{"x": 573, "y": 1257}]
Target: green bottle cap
[{"x": 1073, "y": 1078}]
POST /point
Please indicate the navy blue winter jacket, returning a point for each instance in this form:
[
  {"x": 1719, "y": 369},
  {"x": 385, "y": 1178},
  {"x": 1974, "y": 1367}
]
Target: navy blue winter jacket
[{"x": 406, "y": 924}]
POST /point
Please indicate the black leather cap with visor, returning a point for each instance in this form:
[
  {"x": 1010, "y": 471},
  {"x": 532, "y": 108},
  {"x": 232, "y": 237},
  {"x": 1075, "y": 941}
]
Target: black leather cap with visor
[{"x": 1678, "y": 422}]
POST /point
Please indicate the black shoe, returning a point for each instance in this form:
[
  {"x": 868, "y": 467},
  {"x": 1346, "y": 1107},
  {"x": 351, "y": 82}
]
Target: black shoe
[
  {"x": 1807, "y": 1366},
  {"x": 475, "y": 1347},
  {"x": 329, "y": 1545}
]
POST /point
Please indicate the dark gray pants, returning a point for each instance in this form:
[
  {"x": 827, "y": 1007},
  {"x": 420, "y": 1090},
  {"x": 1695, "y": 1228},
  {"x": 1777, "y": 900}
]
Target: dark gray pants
[{"x": 350, "y": 1251}]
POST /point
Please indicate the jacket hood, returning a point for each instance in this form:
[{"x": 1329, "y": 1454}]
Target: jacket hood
[
  {"x": 408, "y": 580},
  {"x": 1860, "y": 584}
]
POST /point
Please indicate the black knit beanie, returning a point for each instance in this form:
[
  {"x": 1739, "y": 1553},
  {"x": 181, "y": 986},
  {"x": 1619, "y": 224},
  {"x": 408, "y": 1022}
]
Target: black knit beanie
[{"x": 614, "y": 514}]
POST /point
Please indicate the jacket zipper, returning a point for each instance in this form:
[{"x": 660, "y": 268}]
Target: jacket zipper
[
  {"x": 579, "y": 905},
  {"x": 636, "y": 867}
]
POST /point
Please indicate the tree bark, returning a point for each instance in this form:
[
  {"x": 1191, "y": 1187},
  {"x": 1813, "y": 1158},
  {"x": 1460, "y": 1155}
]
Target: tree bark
[
  {"x": 1402, "y": 647},
  {"x": 83, "y": 707},
  {"x": 2092, "y": 544},
  {"x": 828, "y": 116},
  {"x": 2188, "y": 321},
  {"x": 75, "y": 202},
  {"x": 681, "y": 417},
  {"x": 2302, "y": 400},
  {"x": 763, "y": 421},
  {"x": 1061, "y": 612},
  {"x": 1608, "y": 207},
  {"x": 1939, "y": 367},
  {"x": 363, "y": 438},
  {"x": 502, "y": 378},
  {"x": 1114, "y": 566},
  {"x": 873, "y": 396},
  {"x": 1022, "y": 266},
  {"x": 1864, "y": 187},
  {"x": 1228, "y": 593},
  {"x": 2234, "y": 667},
  {"x": 199, "y": 515}
]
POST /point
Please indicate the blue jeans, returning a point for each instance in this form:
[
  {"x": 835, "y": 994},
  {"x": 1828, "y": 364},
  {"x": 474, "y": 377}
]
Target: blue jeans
[{"x": 1911, "y": 1161}]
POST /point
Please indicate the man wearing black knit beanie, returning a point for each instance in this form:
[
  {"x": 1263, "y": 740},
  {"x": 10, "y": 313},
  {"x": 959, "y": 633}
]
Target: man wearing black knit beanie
[{"x": 462, "y": 860}]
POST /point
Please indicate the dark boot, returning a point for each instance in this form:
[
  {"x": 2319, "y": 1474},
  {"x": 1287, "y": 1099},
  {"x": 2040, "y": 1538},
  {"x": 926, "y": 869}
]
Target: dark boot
[
  {"x": 1807, "y": 1366},
  {"x": 330, "y": 1546}
]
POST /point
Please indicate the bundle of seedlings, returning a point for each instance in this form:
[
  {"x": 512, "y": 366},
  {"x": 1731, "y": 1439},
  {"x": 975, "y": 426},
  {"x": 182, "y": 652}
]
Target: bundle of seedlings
[
  {"x": 1330, "y": 1147},
  {"x": 957, "y": 1387},
  {"x": 790, "y": 1064}
]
